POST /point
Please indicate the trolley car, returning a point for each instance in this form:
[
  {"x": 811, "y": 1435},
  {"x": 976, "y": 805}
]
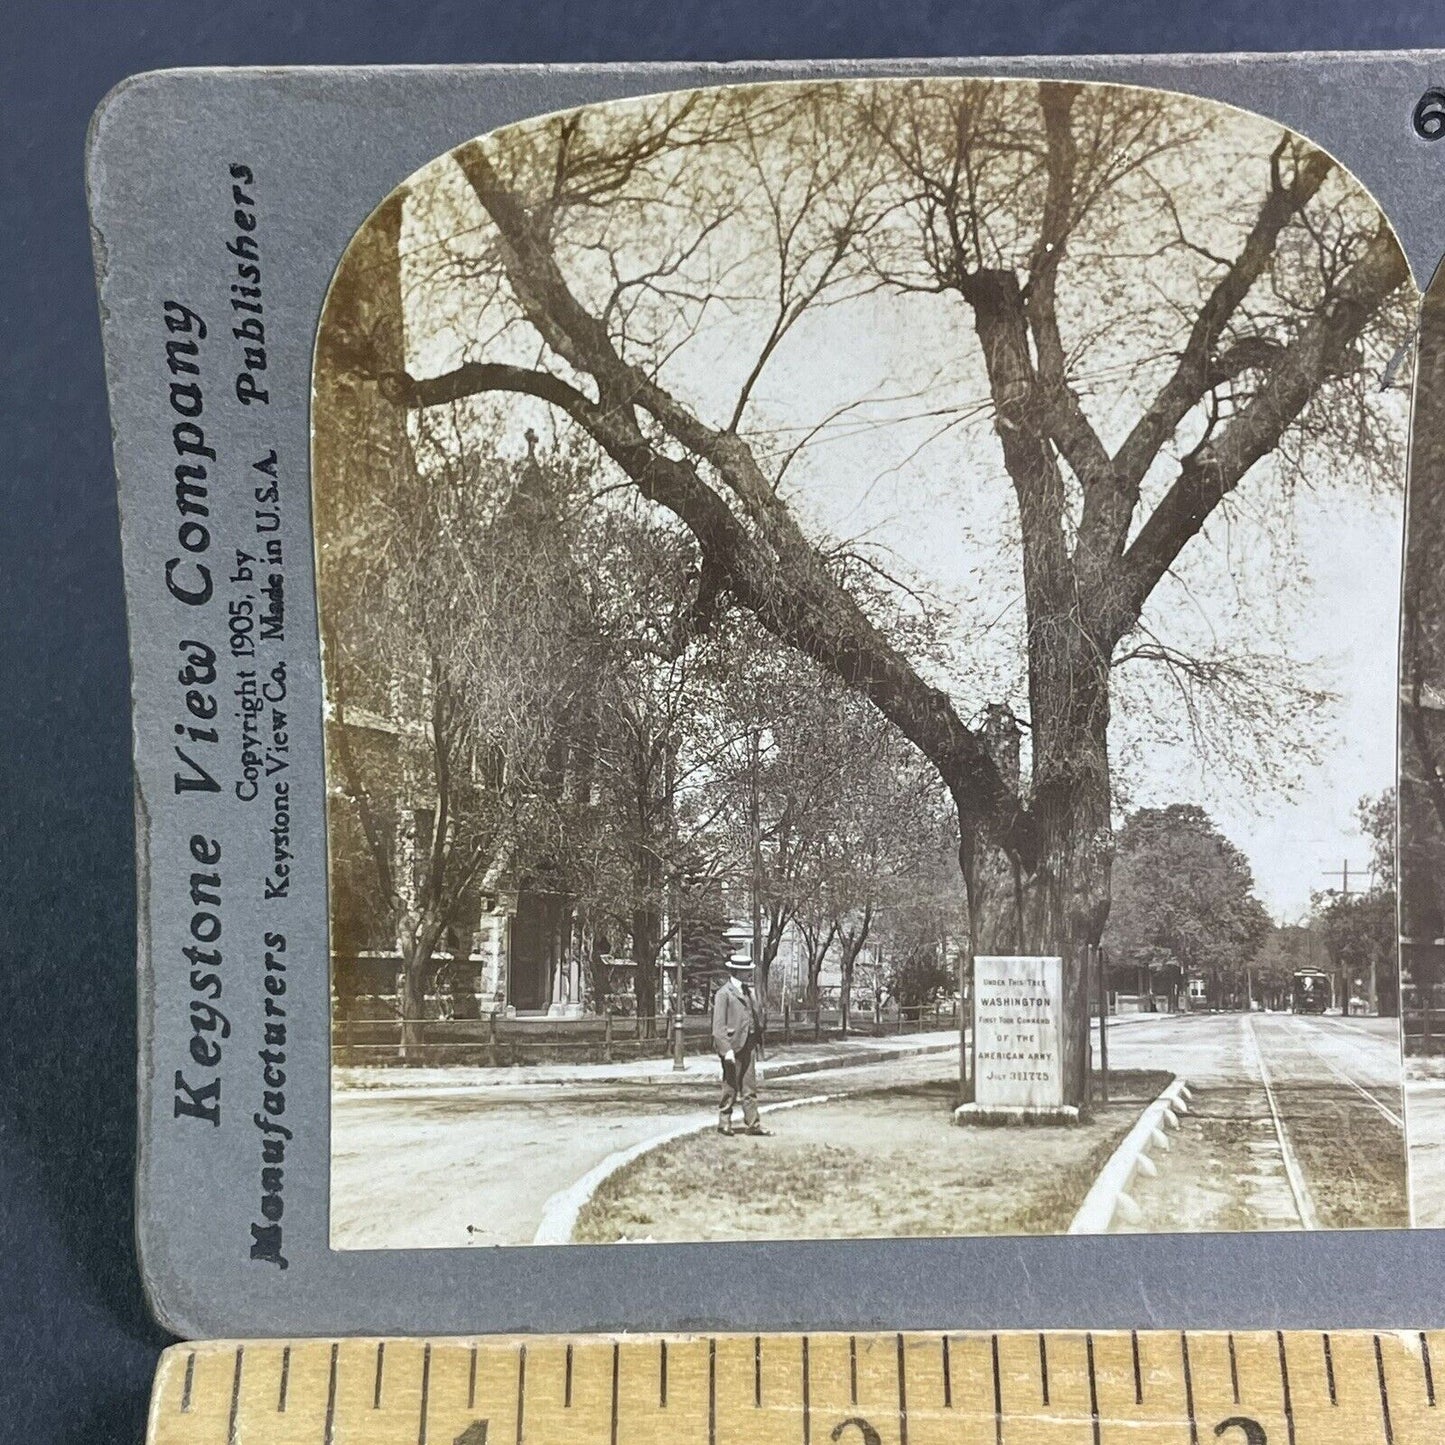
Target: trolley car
[{"x": 1310, "y": 991}]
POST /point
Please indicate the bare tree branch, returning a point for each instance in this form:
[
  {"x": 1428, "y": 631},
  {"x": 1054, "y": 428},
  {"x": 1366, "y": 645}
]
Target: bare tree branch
[{"x": 1215, "y": 468}]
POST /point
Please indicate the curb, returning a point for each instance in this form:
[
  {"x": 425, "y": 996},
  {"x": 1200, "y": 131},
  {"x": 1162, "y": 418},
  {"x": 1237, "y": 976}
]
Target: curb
[
  {"x": 560, "y": 1213},
  {"x": 1108, "y": 1198},
  {"x": 783, "y": 1070},
  {"x": 787, "y": 1070}
]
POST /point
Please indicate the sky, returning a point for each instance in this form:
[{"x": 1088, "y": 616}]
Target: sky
[{"x": 913, "y": 475}]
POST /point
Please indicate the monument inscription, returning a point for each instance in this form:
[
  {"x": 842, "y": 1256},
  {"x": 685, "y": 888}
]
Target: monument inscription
[{"x": 1018, "y": 1034}]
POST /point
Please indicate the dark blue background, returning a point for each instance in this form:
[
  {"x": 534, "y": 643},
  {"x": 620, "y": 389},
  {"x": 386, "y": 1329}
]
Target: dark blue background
[{"x": 76, "y": 1346}]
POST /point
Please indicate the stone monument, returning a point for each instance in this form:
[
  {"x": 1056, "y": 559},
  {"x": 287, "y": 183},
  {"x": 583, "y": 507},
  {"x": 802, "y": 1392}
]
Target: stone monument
[{"x": 1018, "y": 1043}]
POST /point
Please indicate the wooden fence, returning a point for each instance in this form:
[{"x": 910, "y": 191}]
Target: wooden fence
[{"x": 498, "y": 1042}]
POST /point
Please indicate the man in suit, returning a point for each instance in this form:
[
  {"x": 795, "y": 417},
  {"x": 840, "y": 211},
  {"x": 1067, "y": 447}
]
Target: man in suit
[{"x": 737, "y": 1035}]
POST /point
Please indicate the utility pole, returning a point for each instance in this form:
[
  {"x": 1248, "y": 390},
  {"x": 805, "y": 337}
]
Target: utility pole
[
  {"x": 1103, "y": 975},
  {"x": 1344, "y": 892},
  {"x": 754, "y": 745},
  {"x": 679, "y": 1000},
  {"x": 679, "y": 1003}
]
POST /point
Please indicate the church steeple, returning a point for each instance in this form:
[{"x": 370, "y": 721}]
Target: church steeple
[{"x": 531, "y": 500}]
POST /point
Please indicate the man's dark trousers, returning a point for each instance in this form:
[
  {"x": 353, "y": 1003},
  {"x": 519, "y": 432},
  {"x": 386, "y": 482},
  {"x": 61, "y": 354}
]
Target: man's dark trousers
[{"x": 740, "y": 1077}]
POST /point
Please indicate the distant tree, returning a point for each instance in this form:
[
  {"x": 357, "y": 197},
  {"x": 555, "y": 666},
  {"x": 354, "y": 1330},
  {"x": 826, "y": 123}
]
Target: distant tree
[
  {"x": 653, "y": 761},
  {"x": 1183, "y": 892},
  {"x": 920, "y": 978},
  {"x": 1360, "y": 937},
  {"x": 896, "y": 879},
  {"x": 923, "y": 929},
  {"x": 1376, "y": 814},
  {"x": 1359, "y": 929},
  {"x": 456, "y": 644},
  {"x": 1283, "y": 951},
  {"x": 848, "y": 815},
  {"x": 787, "y": 776},
  {"x": 819, "y": 931}
]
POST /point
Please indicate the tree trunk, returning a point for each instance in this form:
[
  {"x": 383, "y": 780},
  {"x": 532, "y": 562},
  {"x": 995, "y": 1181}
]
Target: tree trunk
[
  {"x": 1067, "y": 900},
  {"x": 852, "y": 946},
  {"x": 646, "y": 947},
  {"x": 413, "y": 998},
  {"x": 818, "y": 943},
  {"x": 777, "y": 923},
  {"x": 417, "y": 945}
]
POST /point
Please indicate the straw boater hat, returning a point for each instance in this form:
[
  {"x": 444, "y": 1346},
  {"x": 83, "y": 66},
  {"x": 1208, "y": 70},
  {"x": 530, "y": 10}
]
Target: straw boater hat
[{"x": 740, "y": 965}]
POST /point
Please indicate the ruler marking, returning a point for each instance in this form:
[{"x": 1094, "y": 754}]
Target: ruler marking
[
  {"x": 1188, "y": 1388},
  {"x": 997, "y": 1397},
  {"x": 328, "y": 1433},
  {"x": 711, "y": 1392},
  {"x": 185, "y": 1387},
  {"x": 521, "y": 1389},
  {"x": 1284, "y": 1385},
  {"x": 1197, "y": 1394},
  {"x": 231, "y": 1421},
  {"x": 616, "y": 1371},
  {"x": 902, "y": 1394},
  {"x": 1093, "y": 1385},
  {"x": 807, "y": 1400},
  {"x": 1384, "y": 1395}
]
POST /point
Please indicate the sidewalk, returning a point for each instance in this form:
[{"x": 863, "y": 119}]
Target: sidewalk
[
  {"x": 1123, "y": 1021},
  {"x": 782, "y": 1061}
]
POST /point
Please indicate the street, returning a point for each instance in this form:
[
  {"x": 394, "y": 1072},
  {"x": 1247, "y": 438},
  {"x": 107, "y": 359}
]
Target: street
[
  {"x": 416, "y": 1168},
  {"x": 1297, "y": 1121}
]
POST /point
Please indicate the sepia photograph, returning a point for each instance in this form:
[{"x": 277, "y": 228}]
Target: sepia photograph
[{"x": 861, "y": 631}]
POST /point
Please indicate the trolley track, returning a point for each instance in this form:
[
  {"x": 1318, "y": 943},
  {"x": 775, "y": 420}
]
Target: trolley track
[
  {"x": 1366, "y": 1093},
  {"x": 1294, "y": 1124},
  {"x": 1303, "y": 1200}
]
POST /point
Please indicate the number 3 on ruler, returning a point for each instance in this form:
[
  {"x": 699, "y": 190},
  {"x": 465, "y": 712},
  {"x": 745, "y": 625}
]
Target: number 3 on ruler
[
  {"x": 1252, "y": 1430},
  {"x": 869, "y": 1434}
]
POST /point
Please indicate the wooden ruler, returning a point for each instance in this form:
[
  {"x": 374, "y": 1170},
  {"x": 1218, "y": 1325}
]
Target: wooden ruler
[{"x": 1008, "y": 1388}]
